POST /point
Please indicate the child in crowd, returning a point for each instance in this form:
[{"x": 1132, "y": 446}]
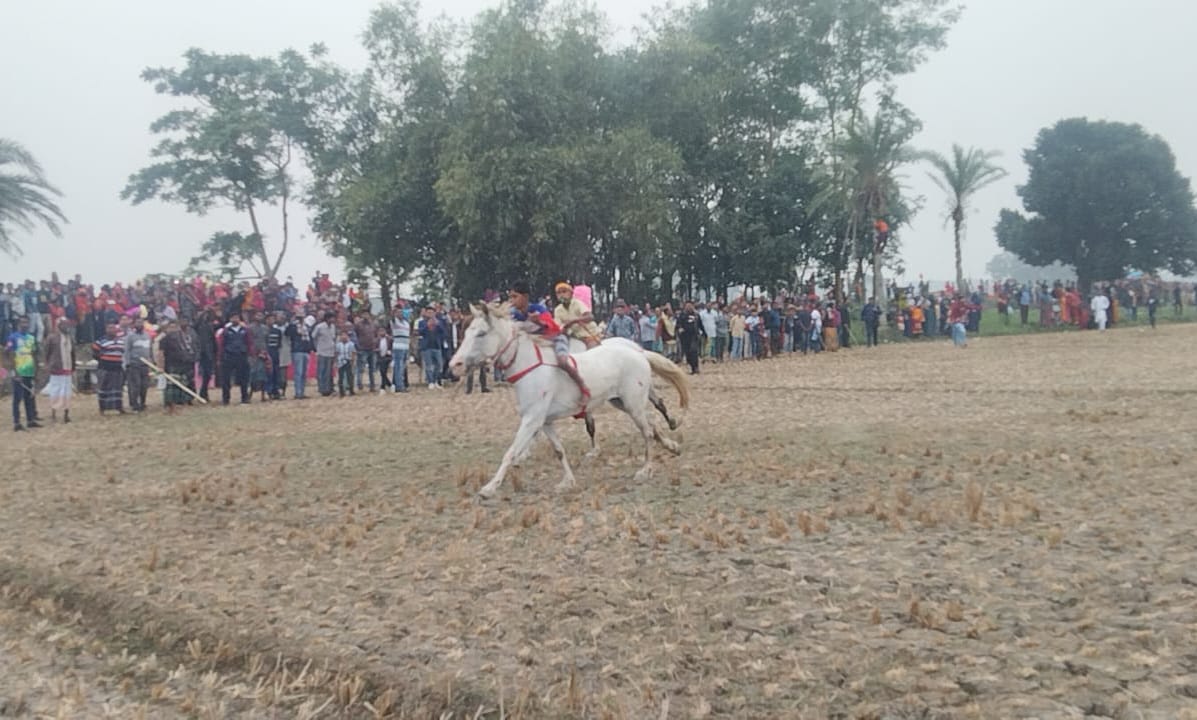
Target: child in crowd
[{"x": 345, "y": 352}]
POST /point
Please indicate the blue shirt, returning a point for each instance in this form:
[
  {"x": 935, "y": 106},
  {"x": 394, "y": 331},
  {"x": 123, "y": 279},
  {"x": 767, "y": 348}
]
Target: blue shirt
[
  {"x": 547, "y": 326},
  {"x": 431, "y": 338}
]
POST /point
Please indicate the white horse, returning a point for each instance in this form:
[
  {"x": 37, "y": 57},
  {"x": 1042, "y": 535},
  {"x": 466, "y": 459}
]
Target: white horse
[
  {"x": 619, "y": 373},
  {"x": 577, "y": 346}
]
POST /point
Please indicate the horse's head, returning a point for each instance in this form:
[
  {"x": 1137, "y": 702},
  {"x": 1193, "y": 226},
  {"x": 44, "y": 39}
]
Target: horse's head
[{"x": 488, "y": 331}]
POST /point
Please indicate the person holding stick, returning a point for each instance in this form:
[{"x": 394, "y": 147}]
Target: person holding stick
[
  {"x": 59, "y": 354},
  {"x": 19, "y": 347},
  {"x": 178, "y": 358}
]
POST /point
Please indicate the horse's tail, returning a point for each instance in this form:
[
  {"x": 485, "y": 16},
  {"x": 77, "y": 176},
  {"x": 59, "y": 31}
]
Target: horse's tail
[{"x": 664, "y": 368}]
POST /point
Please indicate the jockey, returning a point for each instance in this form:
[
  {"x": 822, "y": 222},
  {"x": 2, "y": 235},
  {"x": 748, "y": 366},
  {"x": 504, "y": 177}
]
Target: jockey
[
  {"x": 523, "y": 310},
  {"x": 574, "y": 316}
]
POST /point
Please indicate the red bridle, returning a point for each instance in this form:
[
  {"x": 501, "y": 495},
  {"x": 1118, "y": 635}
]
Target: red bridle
[{"x": 504, "y": 366}]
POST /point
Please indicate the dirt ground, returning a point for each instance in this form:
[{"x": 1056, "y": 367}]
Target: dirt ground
[{"x": 908, "y": 532}]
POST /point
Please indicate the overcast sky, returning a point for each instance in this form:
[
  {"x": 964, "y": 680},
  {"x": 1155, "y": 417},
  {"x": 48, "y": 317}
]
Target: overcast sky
[{"x": 70, "y": 92}]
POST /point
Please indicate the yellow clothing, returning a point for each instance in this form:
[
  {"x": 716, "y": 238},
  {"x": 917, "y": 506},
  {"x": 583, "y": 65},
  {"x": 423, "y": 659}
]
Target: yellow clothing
[
  {"x": 564, "y": 315},
  {"x": 736, "y": 325}
]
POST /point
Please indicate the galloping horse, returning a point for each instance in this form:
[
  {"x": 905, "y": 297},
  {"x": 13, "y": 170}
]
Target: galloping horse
[
  {"x": 577, "y": 346},
  {"x": 619, "y": 373}
]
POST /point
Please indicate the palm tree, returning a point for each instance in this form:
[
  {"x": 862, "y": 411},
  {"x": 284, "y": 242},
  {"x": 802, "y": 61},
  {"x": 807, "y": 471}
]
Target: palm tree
[
  {"x": 872, "y": 151},
  {"x": 26, "y": 198},
  {"x": 960, "y": 178}
]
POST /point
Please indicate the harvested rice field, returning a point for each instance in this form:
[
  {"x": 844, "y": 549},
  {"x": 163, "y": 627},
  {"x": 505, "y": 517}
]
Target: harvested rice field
[{"x": 1004, "y": 531}]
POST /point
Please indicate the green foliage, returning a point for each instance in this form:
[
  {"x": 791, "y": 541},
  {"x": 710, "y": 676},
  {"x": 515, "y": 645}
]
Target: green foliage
[
  {"x": 229, "y": 250},
  {"x": 1103, "y": 197},
  {"x": 236, "y": 141},
  {"x": 960, "y": 177},
  {"x": 739, "y": 142},
  {"x": 376, "y": 166},
  {"x": 26, "y": 197}
]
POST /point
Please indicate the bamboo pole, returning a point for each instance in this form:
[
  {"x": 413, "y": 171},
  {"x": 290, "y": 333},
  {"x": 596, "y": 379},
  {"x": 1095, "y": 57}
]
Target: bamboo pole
[{"x": 170, "y": 378}]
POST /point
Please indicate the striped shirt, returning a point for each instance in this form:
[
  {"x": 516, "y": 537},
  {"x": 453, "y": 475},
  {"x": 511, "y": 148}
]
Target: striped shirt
[
  {"x": 345, "y": 353},
  {"x": 110, "y": 352}
]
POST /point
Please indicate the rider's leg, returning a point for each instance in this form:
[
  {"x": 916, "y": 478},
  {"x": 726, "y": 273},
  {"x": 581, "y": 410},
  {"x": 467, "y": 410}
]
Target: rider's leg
[
  {"x": 568, "y": 366},
  {"x": 561, "y": 349}
]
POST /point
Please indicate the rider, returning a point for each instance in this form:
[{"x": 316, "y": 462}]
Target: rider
[
  {"x": 523, "y": 310},
  {"x": 574, "y": 316}
]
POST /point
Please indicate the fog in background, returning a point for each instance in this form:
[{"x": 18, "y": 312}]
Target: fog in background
[{"x": 71, "y": 93}]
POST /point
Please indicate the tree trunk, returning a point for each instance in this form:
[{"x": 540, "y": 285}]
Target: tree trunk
[
  {"x": 253, "y": 220},
  {"x": 878, "y": 282},
  {"x": 278, "y": 261},
  {"x": 384, "y": 289},
  {"x": 956, "y": 222}
]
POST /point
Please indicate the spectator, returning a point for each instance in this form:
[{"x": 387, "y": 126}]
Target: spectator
[
  {"x": 690, "y": 334},
  {"x": 346, "y": 350},
  {"x": 299, "y": 332},
  {"x": 20, "y": 348},
  {"x": 138, "y": 346},
  {"x": 367, "y": 345},
  {"x": 275, "y": 336},
  {"x": 237, "y": 347},
  {"x": 324, "y": 338},
  {"x": 621, "y": 325},
  {"x": 177, "y": 352},
  {"x": 109, "y": 352},
  {"x": 722, "y": 333},
  {"x": 205, "y": 331},
  {"x": 383, "y": 354},
  {"x": 647, "y": 327},
  {"x": 870, "y": 315},
  {"x": 400, "y": 346},
  {"x": 432, "y": 339}
]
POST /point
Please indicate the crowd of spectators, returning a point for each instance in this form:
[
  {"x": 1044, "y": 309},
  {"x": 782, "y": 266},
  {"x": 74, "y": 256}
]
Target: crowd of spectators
[{"x": 197, "y": 336}]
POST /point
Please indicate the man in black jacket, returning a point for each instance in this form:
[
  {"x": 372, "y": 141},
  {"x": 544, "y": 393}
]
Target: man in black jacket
[
  {"x": 690, "y": 334},
  {"x": 299, "y": 332},
  {"x": 870, "y": 315},
  {"x": 206, "y": 329},
  {"x": 234, "y": 359}
]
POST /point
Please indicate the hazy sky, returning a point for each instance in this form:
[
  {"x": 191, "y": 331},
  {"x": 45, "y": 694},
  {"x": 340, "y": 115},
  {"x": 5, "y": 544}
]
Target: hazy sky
[{"x": 70, "y": 92}]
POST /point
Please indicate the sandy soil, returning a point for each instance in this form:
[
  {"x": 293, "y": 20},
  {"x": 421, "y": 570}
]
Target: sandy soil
[{"x": 908, "y": 532}]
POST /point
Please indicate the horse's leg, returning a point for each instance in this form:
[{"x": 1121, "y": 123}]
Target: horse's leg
[
  {"x": 666, "y": 442},
  {"x": 590, "y": 430},
  {"x": 659, "y": 404},
  {"x": 519, "y": 459},
  {"x": 519, "y": 448},
  {"x": 567, "y": 480},
  {"x": 637, "y": 413}
]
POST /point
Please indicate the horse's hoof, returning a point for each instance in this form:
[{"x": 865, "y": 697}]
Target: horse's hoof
[
  {"x": 674, "y": 448},
  {"x": 591, "y": 455},
  {"x": 485, "y": 494},
  {"x": 566, "y": 485},
  {"x": 643, "y": 475}
]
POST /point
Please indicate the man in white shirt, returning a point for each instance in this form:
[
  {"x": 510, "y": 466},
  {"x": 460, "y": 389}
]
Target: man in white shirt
[
  {"x": 816, "y": 332},
  {"x": 1100, "y": 305},
  {"x": 707, "y": 315}
]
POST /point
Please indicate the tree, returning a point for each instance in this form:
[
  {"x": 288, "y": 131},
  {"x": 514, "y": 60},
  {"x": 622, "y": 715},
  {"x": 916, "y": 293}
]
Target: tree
[
  {"x": 377, "y": 163},
  {"x": 961, "y": 177},
  {"x": 858, "y": 48},
  {"x": 26, "y": 197},
  {"x": 539, "y": 174},
  {"x": 236, "y": 144},
  {"x": 1104, "y": 197},
  {"x": 871, "y": 152}
]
